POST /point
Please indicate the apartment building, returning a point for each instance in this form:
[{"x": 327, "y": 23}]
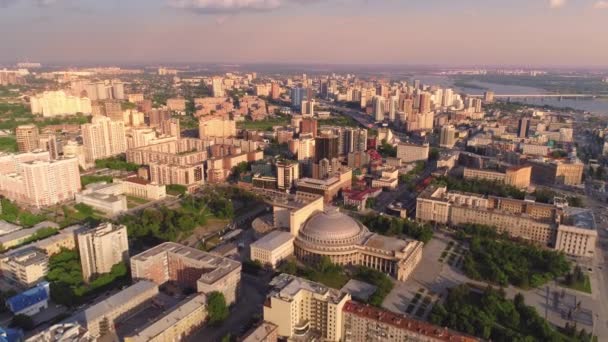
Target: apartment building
[
  {"x": 409, "y": 153},
  {"x": 298, "y": 306},
  {"x": 178, "y": 323},
  {"x": 24, "y": 267},
  {"x": 288, "y": 172},
  {"x": 101, "y": 248},
  {"x": 367, "y": 323},
  {"x": 103, "y": 138},
  {"x": 27, "y": 137},
  {"x": 33, "y": 179},
  {"x": 518, "y": 177},
  {"x": 180, "y": 152},
  {"x": 216, "y": 127},
  {"x": 58, "y": 103},
  {"x": 191, "y": 176},
  {"x": 328, "y": 188},
  {"x": 100, "y": 319},
  {"x": 557, "y": 172},
  {"x": 189, "y": 268},
  {"x": 539, "y": 223}
]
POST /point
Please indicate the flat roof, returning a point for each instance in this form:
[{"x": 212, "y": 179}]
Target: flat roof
[
  {"x": 273, "y": 240},
  {"x": 579, "y": 217},
  {"x": 287, "y": 286},
  {"x": 217, "y": 266},
  {"x": 403, "y": 322},
  {"x": 178, "y": 313},
  {"x": 102, "y": 308},
  {"x": 7, "y": 227},
  {"x": 385, "y": 243},
  {"x": 260, "y": 333},
  {"x": 359, "y": 289}
]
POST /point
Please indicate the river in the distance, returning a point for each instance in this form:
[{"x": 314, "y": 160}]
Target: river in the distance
[{"x": 597, "y": 105}]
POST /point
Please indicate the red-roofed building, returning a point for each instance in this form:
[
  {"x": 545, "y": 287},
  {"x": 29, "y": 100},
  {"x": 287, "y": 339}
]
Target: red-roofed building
[
  {"x": 368, "y": 323},
  {"x": 359, "y": 198}
]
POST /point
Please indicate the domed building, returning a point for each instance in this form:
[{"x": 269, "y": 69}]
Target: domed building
[{"x": 348, "y": 242}]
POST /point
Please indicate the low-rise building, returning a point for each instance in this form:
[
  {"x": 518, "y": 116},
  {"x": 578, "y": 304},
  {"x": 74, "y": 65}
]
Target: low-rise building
[
  {"x": 272, "y": 248},
  {"x": 358, "y": 199},
  {"x": 389, "y": 179},
  {"x": 177, "y": 324},
  {"x": 30, "y": 302},
  {"x": 139, "y": 187},
  {"x": 107, "y": 198},
  {"x": 25, "y": 267},
  {"x": 101, "y": 318}
]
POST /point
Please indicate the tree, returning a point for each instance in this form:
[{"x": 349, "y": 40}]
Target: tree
[{"x": 217, "y": 308}]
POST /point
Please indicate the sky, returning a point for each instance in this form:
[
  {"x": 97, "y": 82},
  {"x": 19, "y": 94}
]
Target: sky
[{"x": 404, "y": 32}]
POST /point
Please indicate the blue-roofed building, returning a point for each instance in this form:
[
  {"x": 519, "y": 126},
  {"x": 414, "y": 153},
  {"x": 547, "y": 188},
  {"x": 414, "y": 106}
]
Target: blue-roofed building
[
  {"x": 11, "y": 335},
  {"x": 30, "y": 302}
]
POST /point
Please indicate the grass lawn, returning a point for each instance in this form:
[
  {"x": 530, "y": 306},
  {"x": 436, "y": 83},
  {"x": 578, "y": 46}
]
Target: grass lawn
[
  {"x": 133, "y": 201},
  {"x": 584, "y": 286},
  {"x": 8, "y": 144}
]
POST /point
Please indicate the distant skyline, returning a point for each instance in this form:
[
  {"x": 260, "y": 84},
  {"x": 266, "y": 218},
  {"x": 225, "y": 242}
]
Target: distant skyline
[{"x": 535, "y": 33}]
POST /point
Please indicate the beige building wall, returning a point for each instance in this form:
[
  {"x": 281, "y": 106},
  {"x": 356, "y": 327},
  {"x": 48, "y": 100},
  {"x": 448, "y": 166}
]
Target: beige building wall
[
  {"x": 175, "y": 325},
  {"x": 569, "y": 173},
  {"x": 211, "y": 127},
  {"x": 484, "y": 174},
  {"x": 410, "y": 153},
  {"x": 101, "y": 248},
  {"x": 39, "y": 183},
  {"x": 576, "y": 241},
  {"x": 103, "y": 138},
  {"x": 519, "y": 177},
  {"x": 25, "y": 268},
  {"x": 101, "y": 317},
  {"x": 27, "y": 137},
  {"x": 319, "y": 311},
  {"x": 269, "y": 253}
]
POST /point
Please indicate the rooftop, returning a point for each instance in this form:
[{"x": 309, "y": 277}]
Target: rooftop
[
  {"x": 385, "y": 243},
  {"x": 102, "y": 308},
  {"x": 6, "y": 227},
  {"x": 216, "y": 266},
  {"x": 29, "y": 297},
  {"x": 273, "y": 240},
  {"x": 405, "y": 323},
  {"x": 179, "y": 312},
  {"x": 286, "y": 286},
  {"x": 579, "y": 217},
  {"x": 260, "y": 333},
  {"x": 359, "y": 289}
]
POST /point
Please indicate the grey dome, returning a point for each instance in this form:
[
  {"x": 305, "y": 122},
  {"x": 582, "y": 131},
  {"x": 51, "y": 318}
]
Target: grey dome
[{"x": 332, "y": 227}]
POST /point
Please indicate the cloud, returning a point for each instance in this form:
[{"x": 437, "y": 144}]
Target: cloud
[
  {"x": 234, "y": 6},
  {"x": 226, "y": 6},
  {"x": 602, "y": 4},
  {"x": 40, "y": 3},
  {"x": 557, "y": 3}
]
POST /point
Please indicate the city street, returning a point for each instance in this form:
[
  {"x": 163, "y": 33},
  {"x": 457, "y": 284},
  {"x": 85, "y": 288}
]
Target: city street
[{"x": 242, "y": 315}]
